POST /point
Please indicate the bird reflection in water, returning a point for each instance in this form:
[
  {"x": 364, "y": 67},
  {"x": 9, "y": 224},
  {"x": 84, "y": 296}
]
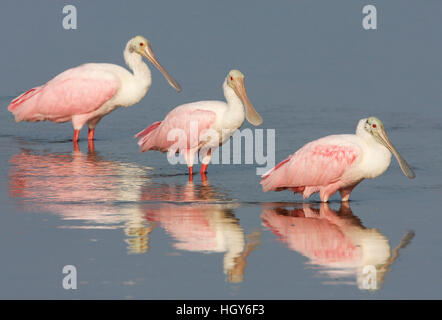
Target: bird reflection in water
[
  {"x": 336, "y": 241},
  {"x": 207, "y": 225},
  {"x": 83, "y": 189}
]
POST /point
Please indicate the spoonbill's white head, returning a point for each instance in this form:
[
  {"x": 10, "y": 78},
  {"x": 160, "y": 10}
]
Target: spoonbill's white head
[
  {"x": 141, "y": 45},
  {"x": 376, "y": 129},
  {"x": 235, "y": 80}
]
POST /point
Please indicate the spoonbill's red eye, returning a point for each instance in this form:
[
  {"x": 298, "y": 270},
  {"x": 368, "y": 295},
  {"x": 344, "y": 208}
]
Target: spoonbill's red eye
[
  {"x": 231, "y": 78},
  {"x": 374, "y": 125}
]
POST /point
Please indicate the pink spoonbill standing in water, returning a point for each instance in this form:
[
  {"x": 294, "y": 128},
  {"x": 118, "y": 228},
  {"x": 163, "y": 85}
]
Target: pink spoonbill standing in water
[
  {"x": 87, "y": 93},
  {"x": 204, "y": 125},
  {"x": 336, "y": 163}
]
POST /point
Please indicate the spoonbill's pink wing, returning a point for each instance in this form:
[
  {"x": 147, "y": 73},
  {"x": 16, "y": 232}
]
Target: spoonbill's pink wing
[
  {"x": 316, "y": 238},
  {"x": 190, "y": 226},
  {"x": 318, "y": 163},
  {"x": 76, "y": 91},
  {"x": 182, "y": 129}
]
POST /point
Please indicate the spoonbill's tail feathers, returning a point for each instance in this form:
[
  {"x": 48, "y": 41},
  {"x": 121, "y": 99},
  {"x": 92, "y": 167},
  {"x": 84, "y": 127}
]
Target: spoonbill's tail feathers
[
  {"x": 146, "y": 137},
  {"x": 23, "y": 103},
  {"x": 146, "y": 131}
]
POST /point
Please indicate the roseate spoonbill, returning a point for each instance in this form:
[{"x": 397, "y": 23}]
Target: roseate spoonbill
[
  {"x": 202, "y": 226},
  {"x": 87, "y": 93},
  {"x": 85, "y": 197},
  {"x": 203, "y": 125},
  {"x": 334, "y": 240},
  {"x": 336, "y": 163}
]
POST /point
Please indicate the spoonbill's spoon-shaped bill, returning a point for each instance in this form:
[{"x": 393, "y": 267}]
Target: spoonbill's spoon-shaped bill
[
  {"x": 207, "y": 116},
  {"x": 148, "y": 53},
  {"x": 87, "y": 93},
  {"x": 336, "y": 163},
  {"x": 235, "y": 80}
]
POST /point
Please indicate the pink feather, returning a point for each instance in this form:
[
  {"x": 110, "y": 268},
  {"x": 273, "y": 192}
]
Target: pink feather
[
  {"x": 159, "y": 136},
  {"x": 316, "y": 237},
  {"x": 316, "y": 165},
  {"x": 73, "y": 92}
]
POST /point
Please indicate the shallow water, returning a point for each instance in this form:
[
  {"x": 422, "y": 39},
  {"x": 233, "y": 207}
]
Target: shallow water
[{"x": 135, "y": 228}]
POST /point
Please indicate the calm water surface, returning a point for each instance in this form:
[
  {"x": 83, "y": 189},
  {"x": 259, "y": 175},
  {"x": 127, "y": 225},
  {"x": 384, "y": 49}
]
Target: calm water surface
[{"x": 133, "y": 225}]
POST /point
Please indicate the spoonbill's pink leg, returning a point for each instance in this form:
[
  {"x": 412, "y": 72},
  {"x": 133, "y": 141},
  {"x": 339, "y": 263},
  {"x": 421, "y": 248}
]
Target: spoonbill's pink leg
[
  {"x": 206, "y": 160},
  {"x": 76, "y": 134},
  {"x": 190, "y": 173},
  {"x": 345, "y": 193},
  {"x": 90, "y": 135},
  {"x": 90, "y": 144},
  {"x": 327, "y": 191},
  {"x": 189, "y": 155},
  {"x": 203, "y": 169},
  {"x": 76, "y": 147}
]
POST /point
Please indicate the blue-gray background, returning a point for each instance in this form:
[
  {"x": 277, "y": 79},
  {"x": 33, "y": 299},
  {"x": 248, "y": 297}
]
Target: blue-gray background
[{"x": 311, "y": 70}]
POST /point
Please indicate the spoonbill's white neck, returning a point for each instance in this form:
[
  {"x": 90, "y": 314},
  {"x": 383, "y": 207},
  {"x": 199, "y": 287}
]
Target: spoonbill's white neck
[
  {"x": 236, "y": 107},
  {"x": 135, "y": 62}
]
